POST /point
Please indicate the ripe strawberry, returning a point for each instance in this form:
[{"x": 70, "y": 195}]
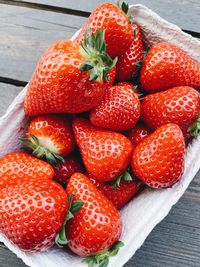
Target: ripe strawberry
[
  {"x": 50, "y": 137},
  {"x": 180, "y": 105},
  {"x": 168, "y": 66},
  {"x": 119, "y": 110},
  {"x": 126, "y": 64},
  {"x": 158, "y": 160},
  {"x": 137, "y": 134},
  {"x": 118, "y": 195},
  {"x": 118, "y": 33},
  {"x": 66, "y": 169},
  {"x": 97, "y": 225},
  {"x": 20, "y": 166},
  {"x": 69, "y": 77},
  {"x": 105, "y": 154},
  {"x": 135, "y": 88},
  {"x": 32, "y": 213}
]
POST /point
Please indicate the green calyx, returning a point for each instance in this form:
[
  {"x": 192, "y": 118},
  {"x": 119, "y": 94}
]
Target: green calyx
[
  {"x": 123, "y": 6},
  {"x": 74, "y": 206},
  {"x": 135, "y": 88},
  {"x": 194, "y": 129},
  {"x": 32, "y": 143},
  {"x": 98, "y": 62},
  {"x": 126, "y": 176},
  {"x": 102, "y": 259}
]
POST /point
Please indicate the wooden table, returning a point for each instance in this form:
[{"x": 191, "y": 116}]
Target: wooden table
[{"x": 27, "y": 28}]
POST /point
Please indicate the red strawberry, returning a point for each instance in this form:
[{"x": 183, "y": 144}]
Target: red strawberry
[
  {"x": 66, "y": 169},
  {"x": 119, "y": 110},
  {"x": 69, "y": 77},
  {"x": 126, "y": 64},
  {"x": 118, "y": 195},
  {"x": 134, "y": 87},
  {"x": 168, "y": 66},
  {"x": 32, "y": 213},
  {"x": 158, "y": 160},
  {"x": 97, "y": 225},
  {"x": 180, "y": 105},
  {"x": 118, "y": 33},
  {"x": 137, "y": 134},
  {"x": 20, "y": 166},
  {"x": 50, "y": 137},
  {"x": 105, "y": 154}
]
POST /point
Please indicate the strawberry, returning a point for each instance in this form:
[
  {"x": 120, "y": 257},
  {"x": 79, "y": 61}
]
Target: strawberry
[
  {"x": 69, "y": 77},
  {"x": 105, "y": 154},
  {"x": 118, "y": 33},
  {"x": 32, "y": 213},
  {"x": 67, "y": 168},
  {"x": 137, "y": 134},
  {"x": 135, "y": 88},
  {"x": 20, "y": 166},
  {"x": 96, "y": 226},
  {"x": 127, "y": 63},
  {"x": 119, "y": 110},
  {"x": 166, "y": 66},
  {"x": 180, "y": 105},
  {"x": 158, "y": 160},
  {"x": 118, "y": 195},
  {"x": 50, "y": 137}
]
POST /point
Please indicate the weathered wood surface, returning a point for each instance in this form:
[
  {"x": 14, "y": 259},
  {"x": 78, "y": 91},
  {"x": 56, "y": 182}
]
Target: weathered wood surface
[
  {"x": 183, "y": 13},
  {"x": 25, "y": 33}
]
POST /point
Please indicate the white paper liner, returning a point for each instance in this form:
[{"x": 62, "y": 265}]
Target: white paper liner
[{"x": 145, "y": 211}]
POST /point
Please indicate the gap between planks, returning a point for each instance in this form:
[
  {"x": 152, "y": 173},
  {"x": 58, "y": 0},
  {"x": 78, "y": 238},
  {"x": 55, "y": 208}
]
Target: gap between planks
[
  {"x": 45, "y": 7},
  {"x": 64, "y": 10}
]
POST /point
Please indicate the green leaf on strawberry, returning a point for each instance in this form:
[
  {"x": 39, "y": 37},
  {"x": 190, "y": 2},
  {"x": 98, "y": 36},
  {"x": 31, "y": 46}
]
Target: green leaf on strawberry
[
  {"x": 74, "y": 206},
  {"x": 102, "y": 259},
  {"x": 126, "y": 176},
  {"x": 98, "y": 62}
]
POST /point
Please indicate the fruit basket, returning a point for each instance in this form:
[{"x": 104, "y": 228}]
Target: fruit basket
[{"x": 145, "y": 211}]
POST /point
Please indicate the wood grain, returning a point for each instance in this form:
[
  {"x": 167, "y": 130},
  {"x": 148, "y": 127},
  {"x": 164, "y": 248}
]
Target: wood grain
[
  {"x": 26, "y": 33},
  {"x": 32, "y": 31},
  {"x": 183, "y": 13}
]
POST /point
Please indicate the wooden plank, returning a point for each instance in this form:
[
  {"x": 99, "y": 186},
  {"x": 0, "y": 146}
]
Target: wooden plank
[
  {"x": 175, "y": 242},
  {"x": 8, "y": 259},
  {"x": 26, "y": 33},
  {"x": 7, "y": 94},
  {"x": 183, "y": 13}
]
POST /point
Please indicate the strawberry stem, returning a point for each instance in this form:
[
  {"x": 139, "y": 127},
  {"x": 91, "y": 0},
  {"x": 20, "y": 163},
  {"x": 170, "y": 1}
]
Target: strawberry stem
[
  {"x": 194, "y": 129},
  {"x": 98, "y": 62},
  {"x": 102, "y": 259},
  {"x": 126, "y": 176},
  {"x": 123, "y": 6},
  {"x": 32, "y": 143},
  {"x": 74, "y": 206}
]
